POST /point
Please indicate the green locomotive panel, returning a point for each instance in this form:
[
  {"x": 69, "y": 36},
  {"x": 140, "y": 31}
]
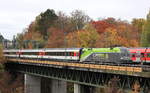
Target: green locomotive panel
[{"x": 100, "y": 54}]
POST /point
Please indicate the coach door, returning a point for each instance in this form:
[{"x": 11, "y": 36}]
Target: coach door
[
  {"x": 138, "y": 56},
  {"x": 148, "y": 57}
]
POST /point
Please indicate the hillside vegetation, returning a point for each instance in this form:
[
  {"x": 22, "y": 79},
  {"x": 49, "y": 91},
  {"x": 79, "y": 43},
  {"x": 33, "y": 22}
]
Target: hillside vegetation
[
  {"x": 58, "y": 30},
  {"x": 9, "y": 84},
  {"x": 1, "y": 59}
]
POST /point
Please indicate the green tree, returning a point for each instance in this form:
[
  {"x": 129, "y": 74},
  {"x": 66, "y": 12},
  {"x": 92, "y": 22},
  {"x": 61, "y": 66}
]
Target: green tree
[
  {"x": 145, "y": 38},
  {"x": 1, "y": 38},
  {"x": 44, "y": 21},
  {"x": 138, "y": 23},
  {"x": 138, "y": 27},
  {"x": 19, "y": 39},
  {"x": 62, "y": 22}
]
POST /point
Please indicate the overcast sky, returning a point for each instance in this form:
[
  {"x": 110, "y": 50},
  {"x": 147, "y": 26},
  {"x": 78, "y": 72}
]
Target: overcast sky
[{"x": 15, "y": 15}]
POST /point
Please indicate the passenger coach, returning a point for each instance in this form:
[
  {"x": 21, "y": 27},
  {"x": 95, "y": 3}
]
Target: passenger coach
[
  {"x": 139, "y": 55},
  {"x": 59, "y": 54}
]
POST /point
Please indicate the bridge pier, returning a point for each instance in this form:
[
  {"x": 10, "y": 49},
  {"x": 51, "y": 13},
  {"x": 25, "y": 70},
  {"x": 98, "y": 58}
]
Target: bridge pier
[
  {"x": 58, "y": 86},
  {"x": 32, "y": 84},
  {"x": 83, "y": 89},
  {"x": 77, "y": 88}
]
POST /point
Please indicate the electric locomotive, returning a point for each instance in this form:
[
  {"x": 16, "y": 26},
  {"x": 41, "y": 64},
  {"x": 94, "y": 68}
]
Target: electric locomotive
[{"x": 111, "y": 55}]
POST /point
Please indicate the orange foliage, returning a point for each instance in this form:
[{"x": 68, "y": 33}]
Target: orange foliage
[
  {"x": 114, "y": 32},
  {"x": 102, "y": 25},
  {"x": 88, "y": 37},
  {"x": 56, "y": 38},
  {"x": 9, "y": 86},
  {"x": 116, "y": 37},
  {"x": 72, "y": 39},
  {"x": 102, "y": 33}
]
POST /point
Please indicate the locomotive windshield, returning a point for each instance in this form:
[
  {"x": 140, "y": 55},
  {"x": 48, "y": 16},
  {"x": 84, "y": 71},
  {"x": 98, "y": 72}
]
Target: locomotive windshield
[{"x": 124, "y": 51}]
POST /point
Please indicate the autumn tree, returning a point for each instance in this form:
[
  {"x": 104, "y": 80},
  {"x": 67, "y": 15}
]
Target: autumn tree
[
  {"x": 6, "y": 84},
  {"x": 33, "y": 38},
  {"x": 127, "y": 31},
  {"x": 102, "y": 25},
  {"x": 71, "y": 39},
  {"x": 30, "y": 38},
  {"x": 9, "y": 84},
  {"x": 78, "y": 19},
  {"x": 56, "y": 38},
  {"x": 1, "y": 58},
  {"x": 116, "y": 32},
  {"x": 113, "y": 37},
  {"x": 110, "y": 37},
  {"x": 36, "y": 34},
  {"x": 87, "y": 37}
]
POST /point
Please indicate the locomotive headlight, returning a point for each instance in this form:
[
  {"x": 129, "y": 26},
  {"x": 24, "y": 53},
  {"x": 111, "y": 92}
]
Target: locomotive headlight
[
  {"x": 124, "y": 58},
  {"x": 121, "y": 58}
]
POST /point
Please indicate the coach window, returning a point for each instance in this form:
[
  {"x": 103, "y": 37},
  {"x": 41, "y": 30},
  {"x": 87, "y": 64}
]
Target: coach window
[
  {"x": 52, "y": 53},
  {"x": 148, "y": 55},
  {"x": 55, "y": 53},
  {"x": 7, "y": 53},
  {"x": 68, "y": 53},
  {"x": 133, "y": 55},
  {"x": 60, "y": 53},
  {"x": 65, "y": 54},
  {"x": 142, "y": 55}
]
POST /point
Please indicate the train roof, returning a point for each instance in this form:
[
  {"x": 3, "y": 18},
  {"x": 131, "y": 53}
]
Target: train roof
[
  {"x": 11, "y": 50},
  {"x": 44, "y": 49},
  {"x": 141, "y": 49}
]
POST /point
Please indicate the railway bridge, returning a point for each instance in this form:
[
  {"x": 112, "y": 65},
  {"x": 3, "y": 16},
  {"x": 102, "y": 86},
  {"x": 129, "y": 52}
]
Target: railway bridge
[{"x": 87, "y": 77}]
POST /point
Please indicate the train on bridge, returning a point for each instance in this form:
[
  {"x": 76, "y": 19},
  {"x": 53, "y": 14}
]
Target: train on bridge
[{"x": 117, "y": 55}]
